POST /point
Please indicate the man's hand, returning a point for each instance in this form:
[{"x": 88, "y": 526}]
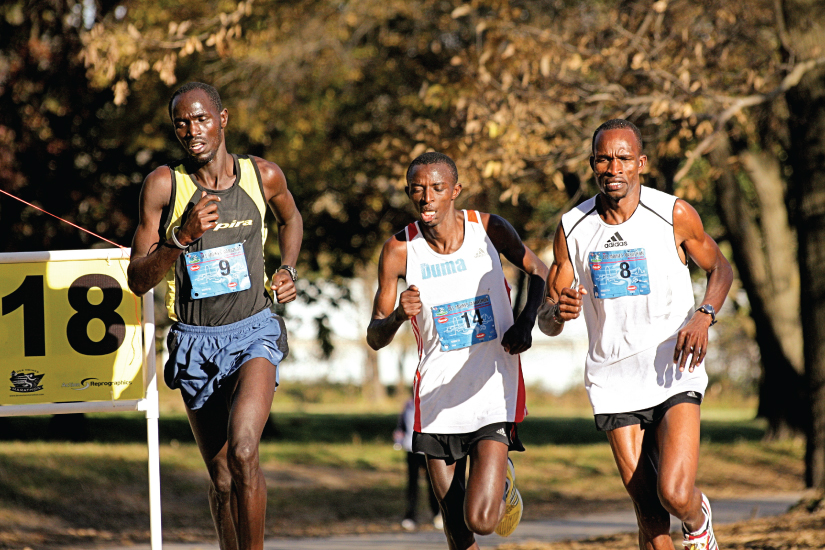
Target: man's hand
[
  {"x": 409, "y": 305},
  {"x": 692, "y": 340},
  {"x": 518, "y": 338},
  {"x": 283, "y": 286},
  {"x": 202, "y": 217},
  {"x": 570, "y": 303}
]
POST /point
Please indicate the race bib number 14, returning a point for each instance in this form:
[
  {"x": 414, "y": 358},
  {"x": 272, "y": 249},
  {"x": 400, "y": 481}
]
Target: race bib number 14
[
  {"x": 217, "y": 271},
  {"x": 617, "y": 273},
  {"x": 464, "y": 323}
]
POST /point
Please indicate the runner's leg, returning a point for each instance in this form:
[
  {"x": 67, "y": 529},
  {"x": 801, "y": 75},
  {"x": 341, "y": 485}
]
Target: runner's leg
[
  {"x": 484, "y": 503},
  {"x": 677, "y": 436},
  {"x": 209, "y": 426},
  {"x": 251, "y": 403},
  {"x": 448, "y": 486},
  {"x": 635, "y": 453},
  {"x": 413, "y": 466}
]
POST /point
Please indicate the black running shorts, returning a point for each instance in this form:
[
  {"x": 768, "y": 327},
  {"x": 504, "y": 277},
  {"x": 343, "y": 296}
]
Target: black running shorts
[
  {"x": 645, "y": 417},
  {"x": 453, "y": 447}
]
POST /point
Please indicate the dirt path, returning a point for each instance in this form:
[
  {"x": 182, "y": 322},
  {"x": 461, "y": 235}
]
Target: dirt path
[{"x": 535, "y": 535}]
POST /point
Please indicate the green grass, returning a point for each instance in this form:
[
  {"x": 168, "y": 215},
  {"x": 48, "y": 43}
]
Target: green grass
[{"x": 326, "y": 472}]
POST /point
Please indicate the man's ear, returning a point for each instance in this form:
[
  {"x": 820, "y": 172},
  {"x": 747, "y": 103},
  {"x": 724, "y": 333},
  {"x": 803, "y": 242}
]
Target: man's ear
[{"x": 456, "y": 191}]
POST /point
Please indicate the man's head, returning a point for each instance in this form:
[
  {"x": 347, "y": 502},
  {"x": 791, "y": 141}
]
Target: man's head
[
  {"x": 199, "y": 119},
  {"x": 210, "y": 91},
  {"x": 432, "y": 185},
  {"x": 617, "y": 159}
]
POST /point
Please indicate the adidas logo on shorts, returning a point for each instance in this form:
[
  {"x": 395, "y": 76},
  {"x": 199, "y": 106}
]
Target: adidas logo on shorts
[{"x": 501, "y": 432}]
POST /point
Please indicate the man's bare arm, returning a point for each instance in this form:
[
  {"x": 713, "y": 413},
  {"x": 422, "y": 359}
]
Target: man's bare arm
[
  {"x": 153, "y": 254},
  {"x": 562, "y": 302},
  {"x": 386, "y": 317},
  {"x": 290, "y": 225},
  {"x": 691, "y": 237}
]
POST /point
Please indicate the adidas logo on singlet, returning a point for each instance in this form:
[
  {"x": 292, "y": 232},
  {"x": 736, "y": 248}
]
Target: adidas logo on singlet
[
  {"x": 440, "y": 270},
  {"x": 481, "y": 253},
  {"x": 615, "y": 240}
]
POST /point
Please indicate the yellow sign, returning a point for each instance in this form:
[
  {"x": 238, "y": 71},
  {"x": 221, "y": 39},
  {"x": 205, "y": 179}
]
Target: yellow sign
[{"x": 70, "y": 330}]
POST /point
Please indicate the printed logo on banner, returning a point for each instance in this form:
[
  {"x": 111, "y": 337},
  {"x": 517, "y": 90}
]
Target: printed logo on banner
[
  {"x": 26, "y": 381},
  {"x": 87, "y": 383}
]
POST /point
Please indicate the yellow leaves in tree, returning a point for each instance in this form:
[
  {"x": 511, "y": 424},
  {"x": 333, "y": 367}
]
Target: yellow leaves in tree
[
  {"x": 492, "y": 170},
  {"x": 121, "y": 90},
  {"x": 166, "y": 68},
  {"x": 137, "y": 68},
  {"x": 461, "y": 11}
]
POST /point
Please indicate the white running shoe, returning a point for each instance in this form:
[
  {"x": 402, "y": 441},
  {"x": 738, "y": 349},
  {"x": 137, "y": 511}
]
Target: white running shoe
[
  {"x": 438, "y": 522},
  {"x": 702, "y": 539},
  {"x": 408, "y": 524},
  {"x": 515, "y": 506}
]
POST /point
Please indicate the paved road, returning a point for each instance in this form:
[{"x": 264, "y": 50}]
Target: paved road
[{"x": 571, "y": 528}]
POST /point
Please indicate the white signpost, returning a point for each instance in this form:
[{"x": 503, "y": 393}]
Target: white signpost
[{"x": 74, "y": 339}]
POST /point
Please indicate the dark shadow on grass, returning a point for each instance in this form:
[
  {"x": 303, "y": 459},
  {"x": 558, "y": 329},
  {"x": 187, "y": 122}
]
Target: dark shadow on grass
[{"x": 329, "y": 428}]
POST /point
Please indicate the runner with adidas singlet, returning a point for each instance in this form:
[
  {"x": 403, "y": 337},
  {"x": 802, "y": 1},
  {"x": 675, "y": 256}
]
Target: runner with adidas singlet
[
  {"x": 202, "y": 228},
  {"x": 621, "y": 257},
  {"x": 468, "y": 388}
]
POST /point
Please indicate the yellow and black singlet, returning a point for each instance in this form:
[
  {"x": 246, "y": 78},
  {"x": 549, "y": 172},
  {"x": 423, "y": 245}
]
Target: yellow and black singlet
[{"x": 242, "y": 209}]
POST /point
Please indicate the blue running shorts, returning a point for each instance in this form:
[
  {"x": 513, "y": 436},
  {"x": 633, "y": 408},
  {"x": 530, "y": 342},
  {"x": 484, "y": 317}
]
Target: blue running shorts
[{"x": 200, "y": 358}]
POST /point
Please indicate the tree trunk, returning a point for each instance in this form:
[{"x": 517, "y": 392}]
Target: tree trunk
[
  {"x": 804, "y": 38},
  {"x": 764, "y": 250}
]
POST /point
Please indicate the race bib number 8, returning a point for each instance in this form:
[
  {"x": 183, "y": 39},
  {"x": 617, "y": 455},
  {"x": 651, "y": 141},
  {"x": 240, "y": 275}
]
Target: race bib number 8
[
  {"x": 617, "y": 273},
  {"x": 217, "y": 271},
  {"x": 464, "y": 323}
]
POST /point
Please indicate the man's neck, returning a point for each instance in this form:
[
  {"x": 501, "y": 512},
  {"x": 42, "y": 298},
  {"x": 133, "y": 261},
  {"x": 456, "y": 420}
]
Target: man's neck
[
  {"x": 217, "y": 174},
  {"x": 446, "y": 237},
  {"x": 615, "y": 212}
]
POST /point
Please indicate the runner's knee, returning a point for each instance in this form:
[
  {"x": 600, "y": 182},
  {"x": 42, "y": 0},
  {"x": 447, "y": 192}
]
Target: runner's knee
[
  {"x": 221, "y": 480},
  {"x": 242, "y": 458},
  {"x": 482, "y": 521},
  {"x": 676, "y": 497}
]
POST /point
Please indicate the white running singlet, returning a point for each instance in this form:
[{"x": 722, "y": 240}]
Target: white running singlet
[
  {"x": 465, "y": 380},
  {"x": 639, "y": 297}
]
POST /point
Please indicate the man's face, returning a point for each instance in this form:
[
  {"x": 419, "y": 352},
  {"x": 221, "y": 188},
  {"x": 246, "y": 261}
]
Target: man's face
[
  {"x": 617, "y": 161},
  {"x": 198, "y": 125},
  {"x": 432, "y": 189}
]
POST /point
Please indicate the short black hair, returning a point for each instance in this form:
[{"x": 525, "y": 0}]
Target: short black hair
[
  {"x": 433, "y": 157},
  {"x": 617, "y": 124},
  {"x": 210, "y": 91}
]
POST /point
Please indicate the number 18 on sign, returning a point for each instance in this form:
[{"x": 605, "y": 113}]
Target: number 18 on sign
[{"x": 69, "y": 331}]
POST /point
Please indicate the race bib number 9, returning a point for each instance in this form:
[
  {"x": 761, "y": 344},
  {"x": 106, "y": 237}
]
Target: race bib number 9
[
  {"x": 617, "y": 273},
  {"x": 217, "y": 271},
  {"x": 464, "y": 323}
]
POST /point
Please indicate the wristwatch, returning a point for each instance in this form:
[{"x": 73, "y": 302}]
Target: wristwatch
[
  {"x": 708, "y": 309},
  {"x": 289, "y": 269}
]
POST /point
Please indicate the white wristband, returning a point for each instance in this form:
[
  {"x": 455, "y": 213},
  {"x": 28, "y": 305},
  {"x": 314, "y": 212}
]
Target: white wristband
[{"x": 175, "y": 239}]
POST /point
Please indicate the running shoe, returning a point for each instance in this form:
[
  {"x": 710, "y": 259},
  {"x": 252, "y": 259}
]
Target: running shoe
[
  {"x": 408, "y": 524},
  {"x": 702, "y": 539},
  {"x": 514, "y": 504}
]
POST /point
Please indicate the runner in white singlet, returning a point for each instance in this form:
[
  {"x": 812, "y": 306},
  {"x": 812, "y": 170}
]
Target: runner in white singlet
[
  {"x": 468, "y": 389},
  {"x": 622, "y": 258}
]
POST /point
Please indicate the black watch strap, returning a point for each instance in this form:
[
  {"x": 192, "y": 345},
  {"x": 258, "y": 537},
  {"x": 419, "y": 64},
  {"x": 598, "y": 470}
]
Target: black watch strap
[{"x": 708, "y": 310}]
